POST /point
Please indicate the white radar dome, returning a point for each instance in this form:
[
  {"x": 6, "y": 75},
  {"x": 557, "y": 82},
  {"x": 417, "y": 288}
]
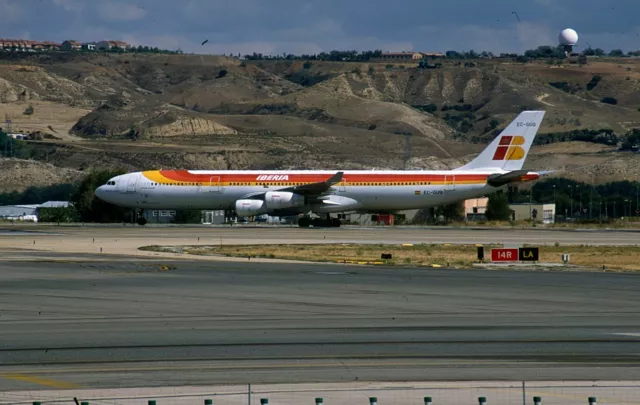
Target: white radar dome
[{"x": 568, "y": 37}]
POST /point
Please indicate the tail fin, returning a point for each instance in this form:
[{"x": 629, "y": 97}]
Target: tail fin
[{"x": 509, "y": 150}]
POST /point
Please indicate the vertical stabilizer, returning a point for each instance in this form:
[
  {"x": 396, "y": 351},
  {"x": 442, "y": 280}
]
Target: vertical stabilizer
[{"x": 509, "y": 150}]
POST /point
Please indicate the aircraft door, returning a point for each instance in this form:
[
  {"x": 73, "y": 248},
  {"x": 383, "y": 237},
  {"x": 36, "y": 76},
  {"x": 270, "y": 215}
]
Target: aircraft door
[
  {"x": 215, "y": 186},
  {"x": 342, "y": 186},
  {"x": 450, "y": 182},
  {"x": 131, "y": 183}
]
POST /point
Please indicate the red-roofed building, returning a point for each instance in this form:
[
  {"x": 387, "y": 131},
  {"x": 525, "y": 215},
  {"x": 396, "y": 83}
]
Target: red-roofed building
[{"x": 109, "y": 45}]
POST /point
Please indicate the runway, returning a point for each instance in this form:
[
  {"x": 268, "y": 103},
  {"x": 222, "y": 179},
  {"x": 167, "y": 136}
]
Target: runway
[
  {"x": 96, "y": 322},
  {"x": 118, "y": 240}
]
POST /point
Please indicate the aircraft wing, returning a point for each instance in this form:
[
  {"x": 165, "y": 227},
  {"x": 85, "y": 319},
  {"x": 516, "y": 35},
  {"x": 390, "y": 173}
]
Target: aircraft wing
[
  {"x": 311, "y": 189},
  {"x": 316, "y": 188}
]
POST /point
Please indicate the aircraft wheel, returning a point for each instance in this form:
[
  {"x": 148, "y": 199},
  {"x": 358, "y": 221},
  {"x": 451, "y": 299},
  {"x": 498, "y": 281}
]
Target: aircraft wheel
[
  {"x": 304, "y": 222},
  {"x": 318, "y": 222},
  {"x": 140, "y": 219},
  {"x": 335, "y": 222}
]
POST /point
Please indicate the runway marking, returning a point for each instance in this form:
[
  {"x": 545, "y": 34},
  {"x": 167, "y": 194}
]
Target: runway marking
[
  {"x": 40, "y": 381},
  {"x": 627, "y": 334},
  {"x": 238, "y": 365},
  {"x": 143, "y": 368}
]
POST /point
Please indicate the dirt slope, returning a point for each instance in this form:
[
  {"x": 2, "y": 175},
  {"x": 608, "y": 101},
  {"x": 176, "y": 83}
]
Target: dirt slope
[{"x": 140, "y": 111}]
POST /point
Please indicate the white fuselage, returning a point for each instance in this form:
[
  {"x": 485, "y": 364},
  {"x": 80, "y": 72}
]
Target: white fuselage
[{"x": 365, "y": 191}]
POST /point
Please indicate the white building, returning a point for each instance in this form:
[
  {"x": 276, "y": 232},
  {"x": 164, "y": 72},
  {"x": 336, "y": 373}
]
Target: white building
[
  {"x": 28, "y": 212},
  {"x": 544, "y": 213}
]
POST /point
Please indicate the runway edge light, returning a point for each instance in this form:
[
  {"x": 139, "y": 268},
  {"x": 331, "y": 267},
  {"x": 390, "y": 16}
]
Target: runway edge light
[{"x": 427, "y": 400}]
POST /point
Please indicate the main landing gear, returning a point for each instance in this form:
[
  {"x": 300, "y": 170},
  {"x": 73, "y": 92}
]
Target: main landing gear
[
  {"x": 140, "y": 219},
  {"x": 327, "y": 222}
]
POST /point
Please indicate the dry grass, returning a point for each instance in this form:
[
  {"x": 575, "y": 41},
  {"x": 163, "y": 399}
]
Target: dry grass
[
  {"x": 627, "y": 223},
  {"x": 593, "y": 257},
  {"x": 46, "y": 114}
]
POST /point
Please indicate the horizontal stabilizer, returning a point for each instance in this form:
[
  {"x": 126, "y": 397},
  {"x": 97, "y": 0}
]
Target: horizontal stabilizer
[{"x": 498, "y": 180}]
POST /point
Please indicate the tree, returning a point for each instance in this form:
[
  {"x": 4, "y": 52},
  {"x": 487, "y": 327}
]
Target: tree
[
  {"x": 498, "y": 207},
  {"x": 609, "y": 100},
  {"x": 28, "y": 110},
  {"x": 451, "y": 212},
  {"x": 593, "y": 82},
  {"x": 616, "y": 53},
  {"x": 453, "y": 55},
  {"x": 89, "y": 207},
  {"x": 632, "y": 140}
]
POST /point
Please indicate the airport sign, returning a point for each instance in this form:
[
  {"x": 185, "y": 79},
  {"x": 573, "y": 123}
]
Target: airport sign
[
  {"x": 504, "y": 255},
  {"x": 528, "y": 254}
]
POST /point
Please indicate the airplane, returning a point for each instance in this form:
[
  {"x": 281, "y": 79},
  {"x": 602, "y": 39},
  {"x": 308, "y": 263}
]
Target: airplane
[{"x": 309, "y": 192}]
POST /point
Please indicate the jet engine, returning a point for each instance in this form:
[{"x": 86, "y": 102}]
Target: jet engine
[
  {"x": 249, "y": 208},
  {"x": 275, "y": 200}
]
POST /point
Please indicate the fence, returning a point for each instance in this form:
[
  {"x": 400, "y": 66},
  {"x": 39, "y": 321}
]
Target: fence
[{"x": 442, "y": 393}]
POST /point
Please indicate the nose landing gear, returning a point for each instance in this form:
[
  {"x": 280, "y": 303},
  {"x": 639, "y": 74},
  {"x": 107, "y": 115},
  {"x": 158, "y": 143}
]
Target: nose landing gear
[{"x": 140, "y": 218}]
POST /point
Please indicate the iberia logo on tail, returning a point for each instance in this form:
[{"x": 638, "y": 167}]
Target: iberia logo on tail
[{"x": 509, "y": 148}]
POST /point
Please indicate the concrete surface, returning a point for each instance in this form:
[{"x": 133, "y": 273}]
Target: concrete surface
[
  {"x": 119, "y": 240},
  {"x": 81, "y": 322},
  {"x": 406, "y": 393}
]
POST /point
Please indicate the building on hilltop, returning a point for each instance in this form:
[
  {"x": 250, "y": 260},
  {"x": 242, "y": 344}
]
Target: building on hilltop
[
  {"x": 50, "y": 46},
  {"x": 112, "y": 45},
  {"x": 411, "y": 55},
  {"x": 402, "y": 55},
  {"x": 22, "y": 45},
  {"x": 70, "y": 45},
  {"x": 89, "y": 46}
]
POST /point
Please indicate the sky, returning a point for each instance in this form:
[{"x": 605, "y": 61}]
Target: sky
[{"x": 311, "y": 26}]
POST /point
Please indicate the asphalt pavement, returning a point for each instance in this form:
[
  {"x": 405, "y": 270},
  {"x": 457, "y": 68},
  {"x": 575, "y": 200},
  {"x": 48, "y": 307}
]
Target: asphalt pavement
[{"x": 92, "y": 322}]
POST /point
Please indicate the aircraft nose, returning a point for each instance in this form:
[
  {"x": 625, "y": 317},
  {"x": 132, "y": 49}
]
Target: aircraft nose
[{"x": 100, "y": 192}]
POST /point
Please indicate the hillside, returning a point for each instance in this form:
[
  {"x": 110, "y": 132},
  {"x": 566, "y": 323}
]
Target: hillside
[{"x": 142, "y": 111}]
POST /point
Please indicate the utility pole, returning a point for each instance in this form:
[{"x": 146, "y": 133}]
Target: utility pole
[
  {"x": 580, "y": 199},
  {"x": 591, "y": 201},
  {"x": 571, "y": 191},
  {"x": 9, "y": 135},
  {"x": 637, "y": 210}
]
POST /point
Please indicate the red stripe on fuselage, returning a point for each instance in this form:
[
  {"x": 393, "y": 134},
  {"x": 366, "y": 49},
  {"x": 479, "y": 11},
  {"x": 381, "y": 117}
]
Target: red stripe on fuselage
[{"x": 185, "y": 176}]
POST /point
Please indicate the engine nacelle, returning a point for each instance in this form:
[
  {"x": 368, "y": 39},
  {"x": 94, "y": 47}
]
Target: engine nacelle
[
  {"x": 275, "y": 200},
  {"x": 250, "y": 208}
]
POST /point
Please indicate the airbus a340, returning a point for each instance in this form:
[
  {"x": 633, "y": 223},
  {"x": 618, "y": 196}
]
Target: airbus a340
[{"x": 294, "y": 192}]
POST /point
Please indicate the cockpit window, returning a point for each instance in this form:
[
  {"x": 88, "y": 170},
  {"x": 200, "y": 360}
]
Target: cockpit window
[{"x": 111, "y": 183}]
